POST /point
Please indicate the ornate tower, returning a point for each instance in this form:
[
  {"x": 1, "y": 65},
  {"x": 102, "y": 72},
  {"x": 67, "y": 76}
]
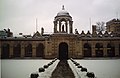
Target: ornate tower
[{"x": 63, "y": 22}]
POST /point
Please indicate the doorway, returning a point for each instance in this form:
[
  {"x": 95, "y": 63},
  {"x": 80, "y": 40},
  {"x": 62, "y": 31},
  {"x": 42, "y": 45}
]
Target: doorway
[{"x": 63, "y": 51}]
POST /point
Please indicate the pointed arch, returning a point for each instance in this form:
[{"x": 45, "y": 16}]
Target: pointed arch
[
  {"x": 5, "y": 50},
  {"x": 28, "y": 50}
]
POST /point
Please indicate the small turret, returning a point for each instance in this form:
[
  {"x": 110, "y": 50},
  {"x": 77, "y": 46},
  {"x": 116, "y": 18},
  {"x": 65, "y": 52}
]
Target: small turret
[
  {"x": 42, "y": 31},
  {"x": 93, "y": 29}
]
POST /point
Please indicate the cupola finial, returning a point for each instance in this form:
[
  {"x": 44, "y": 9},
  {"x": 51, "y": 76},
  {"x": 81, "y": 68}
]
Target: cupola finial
[{"x": 63, "y": 8}]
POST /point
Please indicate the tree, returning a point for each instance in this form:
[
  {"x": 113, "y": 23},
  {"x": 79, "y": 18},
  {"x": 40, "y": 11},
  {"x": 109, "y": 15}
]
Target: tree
[{"x": 100, "y": 26}]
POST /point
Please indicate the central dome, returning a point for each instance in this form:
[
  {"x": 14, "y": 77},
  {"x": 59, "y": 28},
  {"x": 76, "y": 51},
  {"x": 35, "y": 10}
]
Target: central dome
[{"x": 63, "y": 12}]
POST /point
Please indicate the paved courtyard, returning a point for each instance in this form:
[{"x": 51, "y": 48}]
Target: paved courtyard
[{"x": 63, "y": 70}]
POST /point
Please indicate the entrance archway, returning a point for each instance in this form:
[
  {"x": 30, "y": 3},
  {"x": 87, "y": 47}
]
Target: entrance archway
[{"x": 63, "y": 51}]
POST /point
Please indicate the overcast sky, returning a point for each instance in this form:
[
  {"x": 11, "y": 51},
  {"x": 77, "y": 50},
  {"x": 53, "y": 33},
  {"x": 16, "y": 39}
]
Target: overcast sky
[{"x": 20, "y": 15}]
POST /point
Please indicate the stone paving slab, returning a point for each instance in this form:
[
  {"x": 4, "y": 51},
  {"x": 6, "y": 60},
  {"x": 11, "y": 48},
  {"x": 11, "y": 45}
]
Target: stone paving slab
[{"x": 62, "y": 70}]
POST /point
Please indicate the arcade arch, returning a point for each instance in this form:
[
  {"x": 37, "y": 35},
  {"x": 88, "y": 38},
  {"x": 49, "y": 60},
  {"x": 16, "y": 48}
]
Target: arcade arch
[
  {"x": 5, "y": 50},
  {"x": 99, "y": 49},
  {"x": 28, "y": 50},
  {"x": 40, "y": 50},
  {"x": 87, "y": 50}
]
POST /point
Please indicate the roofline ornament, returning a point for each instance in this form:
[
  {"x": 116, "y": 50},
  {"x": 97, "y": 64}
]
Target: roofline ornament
[{"x": 63, "y": 8}]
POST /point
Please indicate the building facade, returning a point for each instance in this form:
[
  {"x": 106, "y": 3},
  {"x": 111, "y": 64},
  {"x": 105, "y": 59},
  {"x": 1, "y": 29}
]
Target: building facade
[
  {"x": 62, "y": 44},
  {"x": 114, "y": 26}
]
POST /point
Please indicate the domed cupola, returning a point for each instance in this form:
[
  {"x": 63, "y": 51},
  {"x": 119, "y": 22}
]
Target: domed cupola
[
  {"x": 63, "y": 12},
  {"x": 63, "y": 22}
]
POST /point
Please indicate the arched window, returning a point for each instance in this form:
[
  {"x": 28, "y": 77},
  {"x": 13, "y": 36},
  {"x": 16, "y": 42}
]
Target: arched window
[
  {"x": 28, "y": 50},
  {"x": 63, "y": 25},
  {"x": 5, "y": 50},
  {"x": 40, "y": 50},
  {"x": 17, "y": 50},
  {"x": 87, "y": 50},
  {"x": 110, "y": 50},
  {"x": 99, "y": 49}
]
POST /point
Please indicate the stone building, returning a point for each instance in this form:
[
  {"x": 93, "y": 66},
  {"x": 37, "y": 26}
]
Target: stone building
[
  {"x": 62, "y": 44},
  {"x": 114, "y": 26}
]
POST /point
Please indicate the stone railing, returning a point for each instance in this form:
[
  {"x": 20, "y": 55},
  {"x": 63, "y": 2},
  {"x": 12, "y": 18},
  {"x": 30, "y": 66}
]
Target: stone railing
[
  {"x": 80, "y": 71},
  {"x": 46, "y": 70}
]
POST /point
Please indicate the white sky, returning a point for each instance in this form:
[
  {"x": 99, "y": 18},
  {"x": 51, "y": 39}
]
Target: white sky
[{"x": 20, "y": 15}]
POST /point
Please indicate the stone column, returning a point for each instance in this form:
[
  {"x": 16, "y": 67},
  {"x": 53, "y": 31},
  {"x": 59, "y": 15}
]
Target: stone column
[
  {"x": 70, "y": 24},
  {"x": 116, "y": 49},
  {"x": 11, "y": 49},
  {"x": 93, "y": 49},
  {"x": 105, "y": 48},
  {"x": 80, "y": 49},
  {"x": 66, "y": 27},
  {"x": 45, "y": 48},
  {"x": 55, "y": 26},
  {"x": 59, "y": 26},
  {"x": 22, "y": 49}
]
